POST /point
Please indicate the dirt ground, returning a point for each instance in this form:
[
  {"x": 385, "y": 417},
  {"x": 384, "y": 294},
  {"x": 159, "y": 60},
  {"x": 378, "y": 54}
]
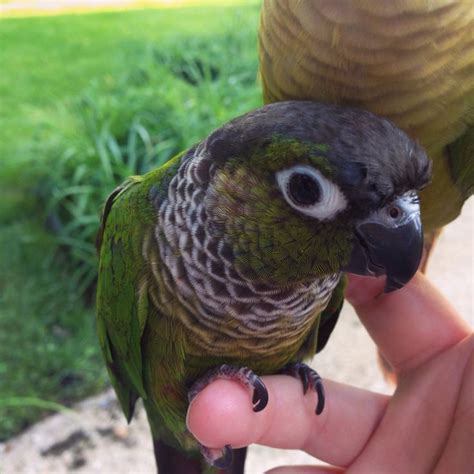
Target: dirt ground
[{"x": 96, "y": 439}]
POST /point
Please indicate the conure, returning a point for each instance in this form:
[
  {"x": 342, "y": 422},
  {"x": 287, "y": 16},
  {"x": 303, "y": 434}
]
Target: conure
[
  {"x": 411, "y": 61},
  {"x": 227, "y": 260}
]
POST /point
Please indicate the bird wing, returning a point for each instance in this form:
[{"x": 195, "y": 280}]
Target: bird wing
[
  {"x": 461, "y": 159},
  {"x": 330, "y": 315},
  {"x": 121, "y": 306},
  {"x": 323, "y": 326}
]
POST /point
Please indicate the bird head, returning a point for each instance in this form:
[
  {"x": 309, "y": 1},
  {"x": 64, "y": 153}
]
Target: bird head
[{"x": 303, "y": 190}]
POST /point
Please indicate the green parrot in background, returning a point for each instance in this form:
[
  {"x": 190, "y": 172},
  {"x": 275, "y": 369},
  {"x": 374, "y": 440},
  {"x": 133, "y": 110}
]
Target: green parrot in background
[
  {"x": 411, "y": 61},
  {"x": 227, "y": 261}
]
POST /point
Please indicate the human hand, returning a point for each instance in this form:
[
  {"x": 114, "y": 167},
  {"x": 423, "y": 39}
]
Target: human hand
[{"x": 426, "y": 426}]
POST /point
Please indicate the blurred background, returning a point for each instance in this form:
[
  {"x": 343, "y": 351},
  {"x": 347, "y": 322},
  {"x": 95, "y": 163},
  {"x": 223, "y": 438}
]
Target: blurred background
[
  {"x": 87, "y": 100},
  {"x": 92, "y": 92}
]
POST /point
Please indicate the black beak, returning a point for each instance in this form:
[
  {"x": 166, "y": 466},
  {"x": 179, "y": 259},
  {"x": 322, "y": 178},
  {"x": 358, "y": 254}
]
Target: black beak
[{"x": 388, "y": 243}]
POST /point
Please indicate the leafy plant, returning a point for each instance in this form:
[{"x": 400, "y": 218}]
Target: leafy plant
[{"x": 172, "y": 100}]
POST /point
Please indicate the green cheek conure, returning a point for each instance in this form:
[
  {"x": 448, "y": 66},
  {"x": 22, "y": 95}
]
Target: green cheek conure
[{"x": 227, "y": 261}]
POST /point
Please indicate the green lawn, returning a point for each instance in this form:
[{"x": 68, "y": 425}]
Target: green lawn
[
  {"x": 45, "y": 59},
  {"x": 85, "y": 101}
]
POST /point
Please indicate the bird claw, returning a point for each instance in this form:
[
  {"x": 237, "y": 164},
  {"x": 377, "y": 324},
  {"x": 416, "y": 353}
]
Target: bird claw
[
  {"x": 240, "y": 374},
  {"x": 260, "y": 394},
  {"x": 310, "y": 379},
  {"x": 220, "y": 458}
]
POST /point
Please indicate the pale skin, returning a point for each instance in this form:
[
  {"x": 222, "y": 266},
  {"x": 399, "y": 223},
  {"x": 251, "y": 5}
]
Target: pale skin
[{"x": 426, "y": 426}]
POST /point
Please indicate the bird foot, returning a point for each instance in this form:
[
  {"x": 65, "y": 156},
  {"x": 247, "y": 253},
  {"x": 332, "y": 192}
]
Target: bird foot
[
  {"x": 220, "y": 458},
  {"x": 240, "y": 374},
  {"x": 310, "y": 379}
]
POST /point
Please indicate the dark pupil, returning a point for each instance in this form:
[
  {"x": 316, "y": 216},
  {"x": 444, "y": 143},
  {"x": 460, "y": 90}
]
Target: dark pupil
[{"x": 304, "y": 189}]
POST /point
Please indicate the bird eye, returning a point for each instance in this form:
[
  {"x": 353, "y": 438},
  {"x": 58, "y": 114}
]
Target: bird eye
[
  {"x": 303, "y": 189},
  {"x": 394, "y": 212},
  {"x": 310, "y": 192}
]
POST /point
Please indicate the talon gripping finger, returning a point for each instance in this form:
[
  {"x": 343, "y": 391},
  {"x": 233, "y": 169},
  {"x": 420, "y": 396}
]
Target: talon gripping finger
[
  {"x": 220, "y": 458},
  {"x": 309, "y": 378},
  {"x": 304, "y": 379},
  {"x": 240, "y": 374},
  {"x": 321, "y": 397},
  {"x": 260, "y": 395}
]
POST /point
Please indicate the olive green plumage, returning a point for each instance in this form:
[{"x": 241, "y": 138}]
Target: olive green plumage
[
  {"x": 265, "y": 235},
  {"x": 230, "y": 252}
]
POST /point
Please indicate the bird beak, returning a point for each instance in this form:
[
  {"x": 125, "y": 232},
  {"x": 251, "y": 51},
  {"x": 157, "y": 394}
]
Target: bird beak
[{"x": 389, "y": 242}]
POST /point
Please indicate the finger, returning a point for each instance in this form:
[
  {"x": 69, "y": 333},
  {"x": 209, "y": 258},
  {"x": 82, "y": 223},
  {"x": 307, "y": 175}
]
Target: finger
[
  {"x": 410, "y": 325},
  {"x": 417, "y": 423},
  {"x": 222, "y": 414},
  {"x": 305, "y": 470},
  {"x": 458, "y": 455}
]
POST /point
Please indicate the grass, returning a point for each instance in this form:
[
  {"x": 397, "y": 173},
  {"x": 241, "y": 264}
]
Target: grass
[
  {"x": 86, "y": 101},
  {"x": 46, "y": 59},
  {"x": 48, "y": 351}
]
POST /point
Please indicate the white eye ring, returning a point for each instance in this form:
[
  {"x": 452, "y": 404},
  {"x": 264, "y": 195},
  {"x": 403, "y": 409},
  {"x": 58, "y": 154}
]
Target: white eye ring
[{"x": 331, "y": 200}]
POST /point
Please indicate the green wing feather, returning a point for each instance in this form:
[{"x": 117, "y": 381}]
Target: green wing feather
[
  {"x": 461, "y": 159},
  {"x": 331, "y": 314},
  {"x": 128, "y": 220},
  {"x": 319, "y": 334},
  {"x": 121, "y": 310}
]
